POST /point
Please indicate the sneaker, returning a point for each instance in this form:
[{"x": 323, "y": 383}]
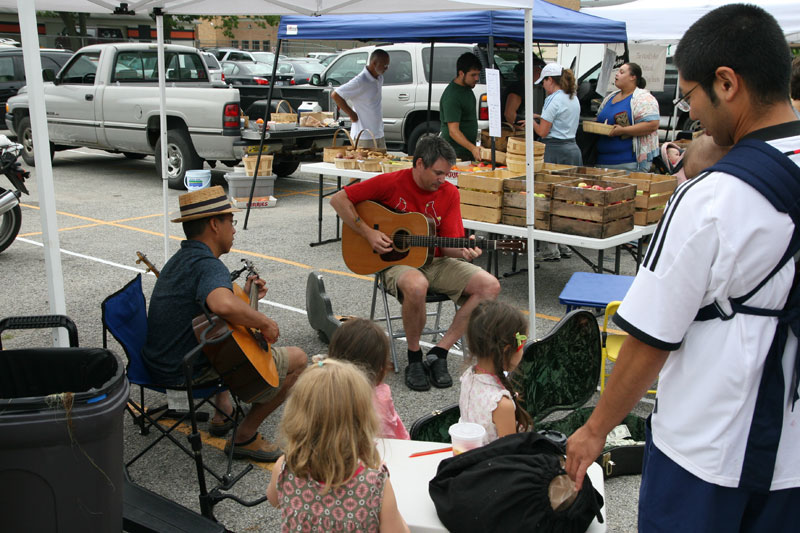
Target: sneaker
[
  {"x": 257, "y": 448},
  {"x": 417, "y": 377},
  {"x": 565, "y": 252},
  {"x": 440, "y": 376},
  {"x": 548, "y": 255},
  {"x": 220, "y": 429}
]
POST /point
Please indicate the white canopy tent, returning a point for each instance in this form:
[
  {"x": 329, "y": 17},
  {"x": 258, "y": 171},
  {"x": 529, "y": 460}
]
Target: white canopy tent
[
  {"x": 658, "y": 21},
  {"x": 44, "y": 174}
]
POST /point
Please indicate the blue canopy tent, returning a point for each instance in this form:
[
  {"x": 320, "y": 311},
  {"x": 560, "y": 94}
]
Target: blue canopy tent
[{"x": 551, "y": 23}]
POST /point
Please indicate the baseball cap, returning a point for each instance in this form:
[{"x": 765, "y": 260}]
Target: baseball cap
[{"x": 550, "y": 69}]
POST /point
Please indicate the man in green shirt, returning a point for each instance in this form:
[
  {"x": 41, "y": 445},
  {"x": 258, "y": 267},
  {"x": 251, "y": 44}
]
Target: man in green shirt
[{"x": 458, "y": 109}]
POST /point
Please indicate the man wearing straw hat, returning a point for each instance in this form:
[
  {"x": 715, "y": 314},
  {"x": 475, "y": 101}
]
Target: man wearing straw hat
[
  {"x": 365, "y": 93},
  {"x": 195, "y": 276}
]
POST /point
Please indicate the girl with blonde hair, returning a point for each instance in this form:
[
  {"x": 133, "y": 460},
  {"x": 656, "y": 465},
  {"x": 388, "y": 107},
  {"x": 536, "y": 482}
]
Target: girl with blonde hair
[{"x": 329, "y": 427}]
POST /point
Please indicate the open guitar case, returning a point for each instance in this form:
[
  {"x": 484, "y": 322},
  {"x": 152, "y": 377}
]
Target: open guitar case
[{"x": 319, "y": 309}]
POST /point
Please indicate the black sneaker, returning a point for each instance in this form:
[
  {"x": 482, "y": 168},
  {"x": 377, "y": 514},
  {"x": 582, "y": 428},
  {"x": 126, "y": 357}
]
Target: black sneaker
[
  {"x": 440, "y": 376},
  {"x": 417, "y": 377}
]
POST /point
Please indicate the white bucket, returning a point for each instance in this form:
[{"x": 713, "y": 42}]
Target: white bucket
[{"x": 194, "y": 180}]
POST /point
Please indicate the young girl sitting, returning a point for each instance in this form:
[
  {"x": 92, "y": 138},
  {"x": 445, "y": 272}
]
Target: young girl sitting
[
  {"x": 329, "y": 428},
  {"x": 496, "y": 338},
  {"x": 365, "y": 344}
]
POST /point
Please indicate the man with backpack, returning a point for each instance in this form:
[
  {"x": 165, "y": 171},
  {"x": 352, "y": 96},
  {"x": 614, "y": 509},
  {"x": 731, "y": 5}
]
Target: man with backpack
[{"x": 714, "y": 311}]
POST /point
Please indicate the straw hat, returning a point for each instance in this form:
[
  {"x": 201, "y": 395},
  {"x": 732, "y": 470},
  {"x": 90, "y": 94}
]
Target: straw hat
[{"x": 208, "y": 202}]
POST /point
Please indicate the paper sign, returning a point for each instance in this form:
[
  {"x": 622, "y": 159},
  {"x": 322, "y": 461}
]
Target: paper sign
[
  {"x": 652, "y": 59},
  {"x": 493, "y": 101},
  {"x": 291, "y": 29}
]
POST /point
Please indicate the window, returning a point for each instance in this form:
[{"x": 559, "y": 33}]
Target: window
[
  {"x": 229, "y": 68},
  {"x": 444, "y": 62},
  {"x": 82, "y": 69},
  {"x": 235, "y": 44},
  {"x": 238, "y": 56},
  {"x": 128, "y": 67},
  {"x": 400, "y": 70},
  {"x": 346, "y": 68},
  {"x": 255, "y": 45},
  {"x": 245, "y": 45},
  {"x": 183, "y": 67},
  {"x": 7, "y": 69},
  {"x": 49, "y": 62}
]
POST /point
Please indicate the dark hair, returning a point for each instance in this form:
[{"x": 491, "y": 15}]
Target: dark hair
[
  {"x": 430, "y": 148},
  {"x": 194, "y": 228},
  {"x": 363, "y": 343},
  {"x": 466, "y": 62},
  {"x": 744, "y": 38},
  {"x": 795, "y": 82},
  {"x": 636, "y": 70},
  {"x": 566, "y": 82},
  {"x": 378, "y": 52},
  {"x": 491, "y": 334}
]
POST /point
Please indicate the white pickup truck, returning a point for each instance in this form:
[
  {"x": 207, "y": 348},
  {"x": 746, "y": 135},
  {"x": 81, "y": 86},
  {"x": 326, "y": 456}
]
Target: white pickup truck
[{"x": 107, "y": 97}]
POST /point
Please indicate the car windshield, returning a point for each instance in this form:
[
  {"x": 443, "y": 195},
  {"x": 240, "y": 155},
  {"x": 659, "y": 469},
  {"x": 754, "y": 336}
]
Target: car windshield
[
  {"x": 263, "y": 57},
  {"x": 308, "y": 68}
]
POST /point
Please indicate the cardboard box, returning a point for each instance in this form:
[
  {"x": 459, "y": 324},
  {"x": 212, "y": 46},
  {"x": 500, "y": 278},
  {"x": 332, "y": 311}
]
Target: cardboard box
[
  {"x": 258, "y": 201},
  {"x": 239, "y": 185}
]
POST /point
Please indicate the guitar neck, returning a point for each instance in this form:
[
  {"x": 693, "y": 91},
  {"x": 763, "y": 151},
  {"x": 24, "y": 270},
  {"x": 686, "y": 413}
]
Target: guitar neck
[{"x": 444, "y": 242}]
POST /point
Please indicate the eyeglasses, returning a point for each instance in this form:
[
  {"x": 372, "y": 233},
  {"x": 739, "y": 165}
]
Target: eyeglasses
[
  {"x": 682, "y": 103},
  {"x": 234, "y": 222}
]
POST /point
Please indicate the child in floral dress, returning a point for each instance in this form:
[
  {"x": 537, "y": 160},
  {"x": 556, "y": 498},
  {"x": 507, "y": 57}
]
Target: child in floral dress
[
  {"x": 496, "y": 339},
  {"x": 331, "y": 477}
]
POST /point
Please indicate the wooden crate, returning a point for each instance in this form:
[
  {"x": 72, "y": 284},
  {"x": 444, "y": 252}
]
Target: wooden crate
[
  {"x": 264, "y": 166},
  {"x": 592, "y": 213},
  {"x": 481, "y": 198},
  {"x": 556, "y": 166},
  {"x": 645, "y": 217},
  {"x": 492, "y": 215},
  {"x": 542, "y": 183},
  {"x": 587, "y": 228},
  {"x": 652, "y": 194},
  {"x": 590, "y": 172},
  {"x": 499, "y": 157},
  {"x": 490, "y": 180}
]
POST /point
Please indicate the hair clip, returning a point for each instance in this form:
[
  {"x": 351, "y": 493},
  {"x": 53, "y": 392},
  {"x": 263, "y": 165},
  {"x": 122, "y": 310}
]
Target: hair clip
[
  {"x": 320, "y": 364},
  {"x": 520, "y": 339}
]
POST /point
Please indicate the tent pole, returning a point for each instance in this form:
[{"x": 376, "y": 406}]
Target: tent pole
[
  {"x": 430, "y": 90},
  {"x": 491, "y": 65},
  {"x": 530, "y": 206},
  {"x": 267, "y": 113},
  {"x": 162, "y": 125},
  {"x": 44, "y": 168}
]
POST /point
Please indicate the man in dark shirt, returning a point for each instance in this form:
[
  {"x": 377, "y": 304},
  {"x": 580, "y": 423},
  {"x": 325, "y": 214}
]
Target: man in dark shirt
[
  {"x": 193, "y": 276},
  {"x": 458, "y": 109}
]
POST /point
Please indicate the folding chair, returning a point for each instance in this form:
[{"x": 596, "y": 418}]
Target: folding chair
[
  {"x": 124, "y": 315},
  {"x": 612, "y": 343},
  {"x": 431, "y": 297}
]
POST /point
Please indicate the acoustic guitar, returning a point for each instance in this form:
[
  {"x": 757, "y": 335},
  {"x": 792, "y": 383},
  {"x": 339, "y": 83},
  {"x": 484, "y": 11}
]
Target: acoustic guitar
[
  {"x": 413, "y": 238},
  {"x": 244, "y": 360}
]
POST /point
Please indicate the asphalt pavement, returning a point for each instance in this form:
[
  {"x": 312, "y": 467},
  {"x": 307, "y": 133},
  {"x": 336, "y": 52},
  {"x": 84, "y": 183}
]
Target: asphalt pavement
[{"x": 110, "y": 207}]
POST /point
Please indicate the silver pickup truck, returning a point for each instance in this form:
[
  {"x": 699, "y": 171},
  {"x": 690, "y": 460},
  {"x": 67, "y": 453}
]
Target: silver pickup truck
[{"x": 107, "y": 97}]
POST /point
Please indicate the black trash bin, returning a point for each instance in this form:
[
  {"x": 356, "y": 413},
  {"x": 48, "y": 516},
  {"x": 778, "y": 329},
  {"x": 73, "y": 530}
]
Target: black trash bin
[{"x": 61, "y": 440}]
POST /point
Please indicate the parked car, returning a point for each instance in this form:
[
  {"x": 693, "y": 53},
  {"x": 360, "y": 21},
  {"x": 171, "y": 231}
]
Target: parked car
[
  {"x": 319, "y": 56},
  {"x": 251, "y": 73},
  {"x": 405, "y": 84},
  {"x": 304, "y": 68},
  {"x": 328, "y": 60},
  {"x": 12, "y": 69},
  {"x": 215, "y": 74},
  {"x": 234, "y": 54}
]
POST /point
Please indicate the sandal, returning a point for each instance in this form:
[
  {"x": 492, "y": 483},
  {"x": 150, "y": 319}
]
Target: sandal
[{"x": 220, "y": 429}]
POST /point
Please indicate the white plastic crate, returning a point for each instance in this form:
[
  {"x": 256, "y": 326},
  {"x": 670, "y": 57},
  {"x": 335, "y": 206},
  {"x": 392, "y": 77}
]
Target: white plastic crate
[{"x": 239, "y": 185}]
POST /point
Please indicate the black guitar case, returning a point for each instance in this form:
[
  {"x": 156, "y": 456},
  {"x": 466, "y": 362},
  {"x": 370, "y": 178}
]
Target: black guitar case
[{"x": 318, "y": 308}]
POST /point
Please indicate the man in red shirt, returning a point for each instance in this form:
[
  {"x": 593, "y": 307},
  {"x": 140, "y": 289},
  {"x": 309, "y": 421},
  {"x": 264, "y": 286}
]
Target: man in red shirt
[{"x": 423, "y": 189}]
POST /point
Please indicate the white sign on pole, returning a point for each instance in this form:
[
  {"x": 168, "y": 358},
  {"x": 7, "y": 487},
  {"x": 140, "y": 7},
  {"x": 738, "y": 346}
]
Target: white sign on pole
[
  {"x": 652, "y": 58},
  {"x": 493, "y": 101}
]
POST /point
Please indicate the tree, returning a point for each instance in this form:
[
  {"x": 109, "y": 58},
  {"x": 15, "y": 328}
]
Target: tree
[{"x": 74, "y": 26}]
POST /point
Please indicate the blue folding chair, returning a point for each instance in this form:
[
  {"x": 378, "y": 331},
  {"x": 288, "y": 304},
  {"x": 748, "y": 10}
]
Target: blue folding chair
[{"x": 124, "y": 315}]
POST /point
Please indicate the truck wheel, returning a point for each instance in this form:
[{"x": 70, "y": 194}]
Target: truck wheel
[
  {"x": 9, "y": 225},
  {"x": 687, "y": 124},
  {"x": 133, "y": 156},
  {"x": 285, "y": 168},
  {"x": 180, "y": 157},
  {"x": 25, "y": 138},
  {"x": 419, "y": 131}
]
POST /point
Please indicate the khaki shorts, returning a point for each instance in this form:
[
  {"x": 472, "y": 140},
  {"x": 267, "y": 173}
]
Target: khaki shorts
[
  {"x": 281, "y": 357},
  {"x": 445, "y": 275}
]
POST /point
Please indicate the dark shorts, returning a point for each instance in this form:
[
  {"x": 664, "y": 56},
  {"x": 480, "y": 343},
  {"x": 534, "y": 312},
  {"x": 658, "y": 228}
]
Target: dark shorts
[
  {"x": 281, "y": 357},
  {"x": 672, "y": 499}
]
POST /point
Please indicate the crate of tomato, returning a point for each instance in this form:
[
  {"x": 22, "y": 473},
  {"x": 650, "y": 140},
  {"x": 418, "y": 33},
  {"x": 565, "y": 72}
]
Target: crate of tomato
[{"x": 592, "y": 208}]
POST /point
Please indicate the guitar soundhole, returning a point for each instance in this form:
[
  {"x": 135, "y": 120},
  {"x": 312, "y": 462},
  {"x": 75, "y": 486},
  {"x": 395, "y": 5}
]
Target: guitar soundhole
[{"x": 401, "y": 245}]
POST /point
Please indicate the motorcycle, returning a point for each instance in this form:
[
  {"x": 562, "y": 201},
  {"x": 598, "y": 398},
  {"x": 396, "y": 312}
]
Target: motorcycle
[{"x": 10, "y": 213}]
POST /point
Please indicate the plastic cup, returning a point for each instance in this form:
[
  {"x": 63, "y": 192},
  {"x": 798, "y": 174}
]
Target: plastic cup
[{"x": 466, "y": 436}]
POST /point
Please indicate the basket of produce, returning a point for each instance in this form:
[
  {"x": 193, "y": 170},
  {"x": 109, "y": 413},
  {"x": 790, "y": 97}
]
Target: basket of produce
[
  {"x": 329, "y": 154},
  {"x": 374, "y": 147},
  {"x": 370, "y": 165},
  {"x": 346, "y": 161},
  {"x": 500, "y": 143},
  {"x": 264, "y": 167},
  {"x": 282, "y": 117}
]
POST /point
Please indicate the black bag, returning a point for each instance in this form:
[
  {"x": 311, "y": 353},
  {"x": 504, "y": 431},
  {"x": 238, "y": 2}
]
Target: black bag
[{"x": 504, "y": 486}]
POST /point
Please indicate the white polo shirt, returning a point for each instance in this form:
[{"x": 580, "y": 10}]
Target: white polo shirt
[
  {"x": 363, "y": 93},
  {"x": 718, "y": 239}
]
